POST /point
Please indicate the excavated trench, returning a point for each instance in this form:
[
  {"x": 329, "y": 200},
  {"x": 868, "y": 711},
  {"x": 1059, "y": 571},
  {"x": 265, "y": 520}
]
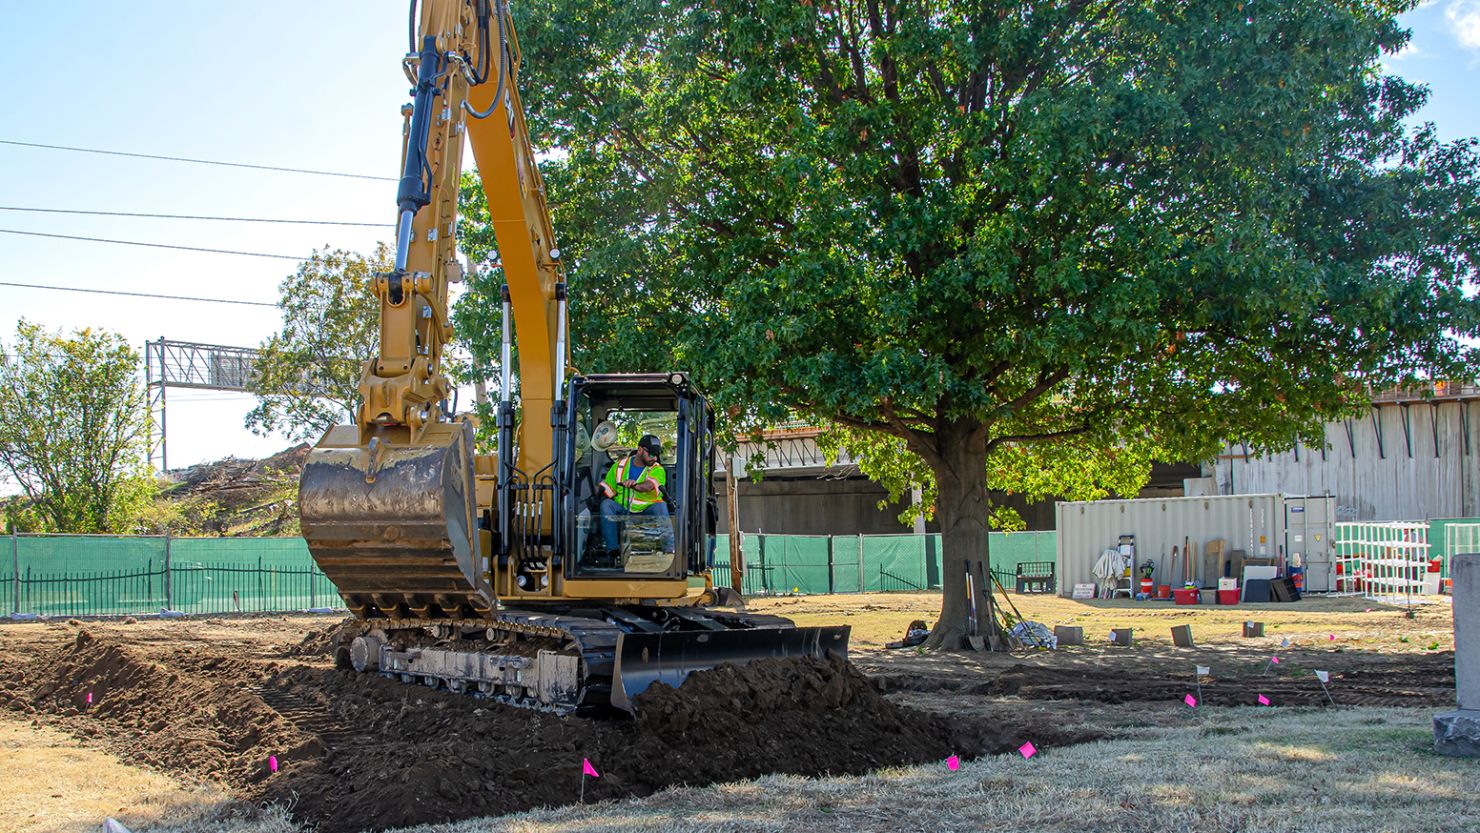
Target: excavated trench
[{"x": 356, "y": 752}]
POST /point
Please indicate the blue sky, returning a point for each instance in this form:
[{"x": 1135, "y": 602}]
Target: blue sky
[{"x": 314, "y": 85}]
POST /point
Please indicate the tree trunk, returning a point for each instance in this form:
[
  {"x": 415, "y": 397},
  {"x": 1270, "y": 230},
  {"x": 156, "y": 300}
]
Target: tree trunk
[{"x": 961, "y": 508}]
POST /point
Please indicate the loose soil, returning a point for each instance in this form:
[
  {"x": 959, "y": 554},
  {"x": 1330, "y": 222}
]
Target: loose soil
[
  {"x": 357, "y": 752},
  {"x": 1238, "y": 676},
  {"x": 210, "y": 700}
]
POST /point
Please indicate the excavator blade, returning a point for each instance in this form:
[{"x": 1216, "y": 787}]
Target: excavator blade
[
  {"x": 392, "y": 526},
  {"x": 669, "y": 657}
]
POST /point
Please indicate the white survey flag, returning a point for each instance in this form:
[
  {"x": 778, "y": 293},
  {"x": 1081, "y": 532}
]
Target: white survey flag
[
  {"x": 1323, "y": 676},
  {"x": 1203, "y": 671}
]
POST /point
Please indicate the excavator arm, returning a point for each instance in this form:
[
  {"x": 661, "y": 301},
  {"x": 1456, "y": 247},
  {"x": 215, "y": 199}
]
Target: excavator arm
[
  {"x": 390, "y": 506},
  {"x": 464, "y": 65}
]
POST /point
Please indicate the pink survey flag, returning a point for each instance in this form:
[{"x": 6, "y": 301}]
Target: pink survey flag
[
  {"x": 1275, "y": 660},
  {"x": 89, "y": 698},
  {"x": 1263, "y": 701},
  {"x": 1333, "y": 637},
  {"x": 587, "y": 769},
  {"x": 1028, "y": 750},
  {"x": 272, "y": 762},
  {"x": 953, "y": 763},
  {"x": 1190, "y": 701}
]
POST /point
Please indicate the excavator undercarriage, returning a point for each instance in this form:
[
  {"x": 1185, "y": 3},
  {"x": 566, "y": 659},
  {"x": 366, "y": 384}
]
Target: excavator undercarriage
[{"x": 590, "y": 662}]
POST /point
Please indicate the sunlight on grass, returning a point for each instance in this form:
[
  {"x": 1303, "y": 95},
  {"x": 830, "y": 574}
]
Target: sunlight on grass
[{"x": 1294, "y": 754}]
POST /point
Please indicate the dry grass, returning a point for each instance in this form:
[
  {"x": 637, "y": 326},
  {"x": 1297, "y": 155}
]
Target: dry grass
[
  {"x": 878, "y": 618},
  {"x": 1227, "y": 769},
  {"x": 53, "y": 784}
]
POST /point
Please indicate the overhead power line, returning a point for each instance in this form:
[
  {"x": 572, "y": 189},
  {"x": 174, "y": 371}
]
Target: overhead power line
[
  {"x": 191, "y": 217},
  {"x": 139, "y": 294},
  {"x": 150, "y": 245},
  {"x": 197, "y": 161}
]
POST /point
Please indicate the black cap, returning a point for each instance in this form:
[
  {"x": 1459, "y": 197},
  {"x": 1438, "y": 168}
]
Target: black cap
[{"x": 651, "y": 444}]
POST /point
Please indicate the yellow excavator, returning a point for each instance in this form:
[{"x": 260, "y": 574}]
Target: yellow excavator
[{"x": 521, "y": 576}]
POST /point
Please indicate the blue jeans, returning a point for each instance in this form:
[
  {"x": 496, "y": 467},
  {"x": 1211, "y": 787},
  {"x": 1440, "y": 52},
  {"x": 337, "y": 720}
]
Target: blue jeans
[{"x": 611, "y": 512}]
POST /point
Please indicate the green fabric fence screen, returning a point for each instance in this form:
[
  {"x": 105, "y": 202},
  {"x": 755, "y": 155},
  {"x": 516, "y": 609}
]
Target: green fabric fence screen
[
  {"x": 92, "y": 575},
  {"x": 807, "y": 564}
]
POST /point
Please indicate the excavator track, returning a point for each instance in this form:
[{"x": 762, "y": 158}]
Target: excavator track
[{"x": 591, "y": 663}]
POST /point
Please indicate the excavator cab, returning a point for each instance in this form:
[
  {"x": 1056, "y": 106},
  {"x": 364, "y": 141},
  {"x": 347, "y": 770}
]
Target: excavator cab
[{"x": 607, "y": 415}]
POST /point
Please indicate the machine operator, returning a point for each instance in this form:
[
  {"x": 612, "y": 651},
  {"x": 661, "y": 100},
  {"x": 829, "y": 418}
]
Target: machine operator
[{"x": 632, "y": 487}]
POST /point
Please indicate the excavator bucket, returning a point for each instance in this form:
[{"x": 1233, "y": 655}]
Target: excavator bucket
[
  {"x": 669, "y": 657},
  {"x": 392, "y": 526}
]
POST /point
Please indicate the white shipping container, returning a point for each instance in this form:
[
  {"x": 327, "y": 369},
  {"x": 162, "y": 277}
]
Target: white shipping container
[{"x": 1255, "y": 524}]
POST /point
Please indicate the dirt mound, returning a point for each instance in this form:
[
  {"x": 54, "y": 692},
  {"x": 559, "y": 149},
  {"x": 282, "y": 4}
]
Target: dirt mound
[
  {"x": 321, "y": 642},
  {"x": 198, "y": 723},
  {"x": 757, "y": 690},
  {"x": 361, "y": 752},
  {"x": 805, "y": 716}
]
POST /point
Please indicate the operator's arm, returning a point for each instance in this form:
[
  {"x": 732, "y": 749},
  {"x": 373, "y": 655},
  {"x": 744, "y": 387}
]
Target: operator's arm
[
  {"x": 656, "y": 477},
  {"x": 609, "y": 485}
]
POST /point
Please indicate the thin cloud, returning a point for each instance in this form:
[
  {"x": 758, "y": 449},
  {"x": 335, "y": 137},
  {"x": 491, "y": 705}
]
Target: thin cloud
[{"x": 1464, "y": 22}]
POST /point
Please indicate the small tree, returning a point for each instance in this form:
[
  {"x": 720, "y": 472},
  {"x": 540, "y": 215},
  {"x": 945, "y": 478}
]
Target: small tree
[
  {"x": 308, "y": 373},
  {"x": 72, "y": 425}
]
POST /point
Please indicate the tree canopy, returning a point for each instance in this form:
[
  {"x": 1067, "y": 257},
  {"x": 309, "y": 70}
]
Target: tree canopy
[
  {"x": 307, "y": 374},
  {"x": 72, "y": 429},
  {"x": 975, "y": 226}
]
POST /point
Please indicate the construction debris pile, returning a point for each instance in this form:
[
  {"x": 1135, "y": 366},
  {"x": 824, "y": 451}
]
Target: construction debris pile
[{"x": 234, "y": 497}]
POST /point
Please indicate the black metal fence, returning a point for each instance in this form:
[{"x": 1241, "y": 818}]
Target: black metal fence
[{"x": 187, "y": 588}]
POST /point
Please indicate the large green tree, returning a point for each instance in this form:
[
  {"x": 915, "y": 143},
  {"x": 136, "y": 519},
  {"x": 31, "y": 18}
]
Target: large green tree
[
  {"x": 72, "y": 429},
  {"x": 307, "y": 374},
  {"x": 973, "y": 226}
]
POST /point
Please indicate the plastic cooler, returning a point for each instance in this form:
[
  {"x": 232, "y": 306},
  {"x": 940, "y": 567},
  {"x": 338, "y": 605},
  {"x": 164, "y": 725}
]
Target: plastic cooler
[{"x": 1227, "y": 597}]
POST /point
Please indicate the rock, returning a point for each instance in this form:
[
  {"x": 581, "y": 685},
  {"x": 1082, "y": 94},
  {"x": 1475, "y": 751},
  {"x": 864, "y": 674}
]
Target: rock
[{"x": 1457, "y": 733}]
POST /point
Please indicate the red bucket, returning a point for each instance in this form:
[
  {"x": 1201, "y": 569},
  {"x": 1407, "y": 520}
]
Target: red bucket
[
  {"x": 1147, "y": 585},
  {"x": 1163, "y": 591}
]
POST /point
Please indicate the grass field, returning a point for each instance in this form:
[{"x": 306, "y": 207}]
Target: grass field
[
  {"x": 54, "y": 784},
  {"x": 1271, "y": 771}
]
